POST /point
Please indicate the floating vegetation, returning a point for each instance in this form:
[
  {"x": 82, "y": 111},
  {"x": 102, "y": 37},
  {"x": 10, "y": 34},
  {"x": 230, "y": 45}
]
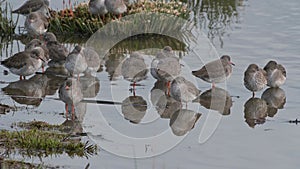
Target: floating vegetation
[
  {"x": 84, "y": 24},
  {"x": 39, "y": 125},
  {"x": 13, "y": 164},
  {"x": 7, "y": 25},
  {"x": 40, "y": 143}
]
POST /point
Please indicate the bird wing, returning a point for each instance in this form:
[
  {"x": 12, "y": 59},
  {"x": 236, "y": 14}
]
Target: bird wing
[
  {"x": 17, "y": 61},
  {"x": 29, "y": 6}
]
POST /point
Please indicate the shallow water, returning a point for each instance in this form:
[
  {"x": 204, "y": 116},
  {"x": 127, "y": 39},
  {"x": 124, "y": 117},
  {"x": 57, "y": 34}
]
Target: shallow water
[{"x": 256, "y": 33}]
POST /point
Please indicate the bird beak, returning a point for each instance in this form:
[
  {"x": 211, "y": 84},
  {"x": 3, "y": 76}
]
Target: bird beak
[
  {"x": 232, "y": 63},
  {"x": 42, "y": 59}
]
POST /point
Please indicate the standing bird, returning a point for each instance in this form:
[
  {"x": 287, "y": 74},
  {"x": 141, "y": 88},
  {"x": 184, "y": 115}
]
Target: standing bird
[
  {"x": 216, "y": 71},
  {"x": 34, "y": 6},
  {"x": 25, "y": 63},
  {"x": 97, "y": 7},
  {"x": 57, "y": 52},
  {"x": 38, "y": 43},
  {"x": 166, "y": 66},
  {"x": 116, "y": 7},
  {"x": 183, "y": 90},
  {"x": 36, "y": 24},
  {"x": 254, "y": 78},
  {"x": 134, "y": 69},
  {"x": 276, "y": 74},
  {"x": 75, "y": 61},
  {"x": 70, "y": 93}
]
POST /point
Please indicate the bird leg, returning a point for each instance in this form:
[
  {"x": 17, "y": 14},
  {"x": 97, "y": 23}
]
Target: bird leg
[
  {"x": 253, "y": 94},
  {"x": 66, "y": 107},
  {"x": 102, "y": 18},
  {"x": 78, "y": 77},
  {"x": 21, "y": 77},
  {"x": 71, "y": 10},
  {"x": 63, "y": 10},
  {"x": 168, "y": 87},
  {"x": 133, "y": 88},
  {"x": 213, "y": 85}
]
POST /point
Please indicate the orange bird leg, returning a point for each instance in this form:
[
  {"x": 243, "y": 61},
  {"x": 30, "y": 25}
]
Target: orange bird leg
[
  {"x": 133, "y": 92},
  {"x": 134, "y": 84},
  {"x": 66, "y": 107},
  {"x": 168, "y": 87},
  {"x": 63, "y": 10}
]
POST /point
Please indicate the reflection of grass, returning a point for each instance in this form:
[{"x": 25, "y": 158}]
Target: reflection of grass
[
  {"x": 217, "y": 16},
  {"x": 42, "y": 139},
  {"x": 7, "y": 26},
  {"x": 146, "y": 41},
  {"x": 12, "y": 164},
  {"x": 83, "y": 23}
]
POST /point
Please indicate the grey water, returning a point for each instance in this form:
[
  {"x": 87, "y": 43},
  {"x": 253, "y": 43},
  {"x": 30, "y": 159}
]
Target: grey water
[{"x": 250, "y": 32}]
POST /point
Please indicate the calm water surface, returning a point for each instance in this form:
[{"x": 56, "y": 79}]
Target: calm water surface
[{"x": 253, "y": 32}]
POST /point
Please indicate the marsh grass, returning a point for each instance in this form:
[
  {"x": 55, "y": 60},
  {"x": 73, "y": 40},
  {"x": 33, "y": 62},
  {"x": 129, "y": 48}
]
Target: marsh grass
[
  {"x": 42, "y": 139},
  {"x": 84, "y": 24}
]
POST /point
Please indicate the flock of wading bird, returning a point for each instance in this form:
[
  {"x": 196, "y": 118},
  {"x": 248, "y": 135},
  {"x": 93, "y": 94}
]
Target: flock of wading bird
[{"x": 46, "y": 50}]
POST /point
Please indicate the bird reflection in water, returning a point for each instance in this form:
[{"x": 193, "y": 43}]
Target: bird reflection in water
[
  {"x": 57, "y": 76},
  {"x": 113, "y": 67},
  {"x": 216, "y": 99},
  {"x": 28, "y": 92},
  {"x": 90, "y": 86},
  {"x": 74, "y": 127},
  {"x": 134, "y": 69},
  {"x": 164, "y": 104},
  {"x": 183, "y": 120},
  {"x": 255, "y": 111},
  {"x": 275, "y": 98},
  {"x": 134, "y": 108}
]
